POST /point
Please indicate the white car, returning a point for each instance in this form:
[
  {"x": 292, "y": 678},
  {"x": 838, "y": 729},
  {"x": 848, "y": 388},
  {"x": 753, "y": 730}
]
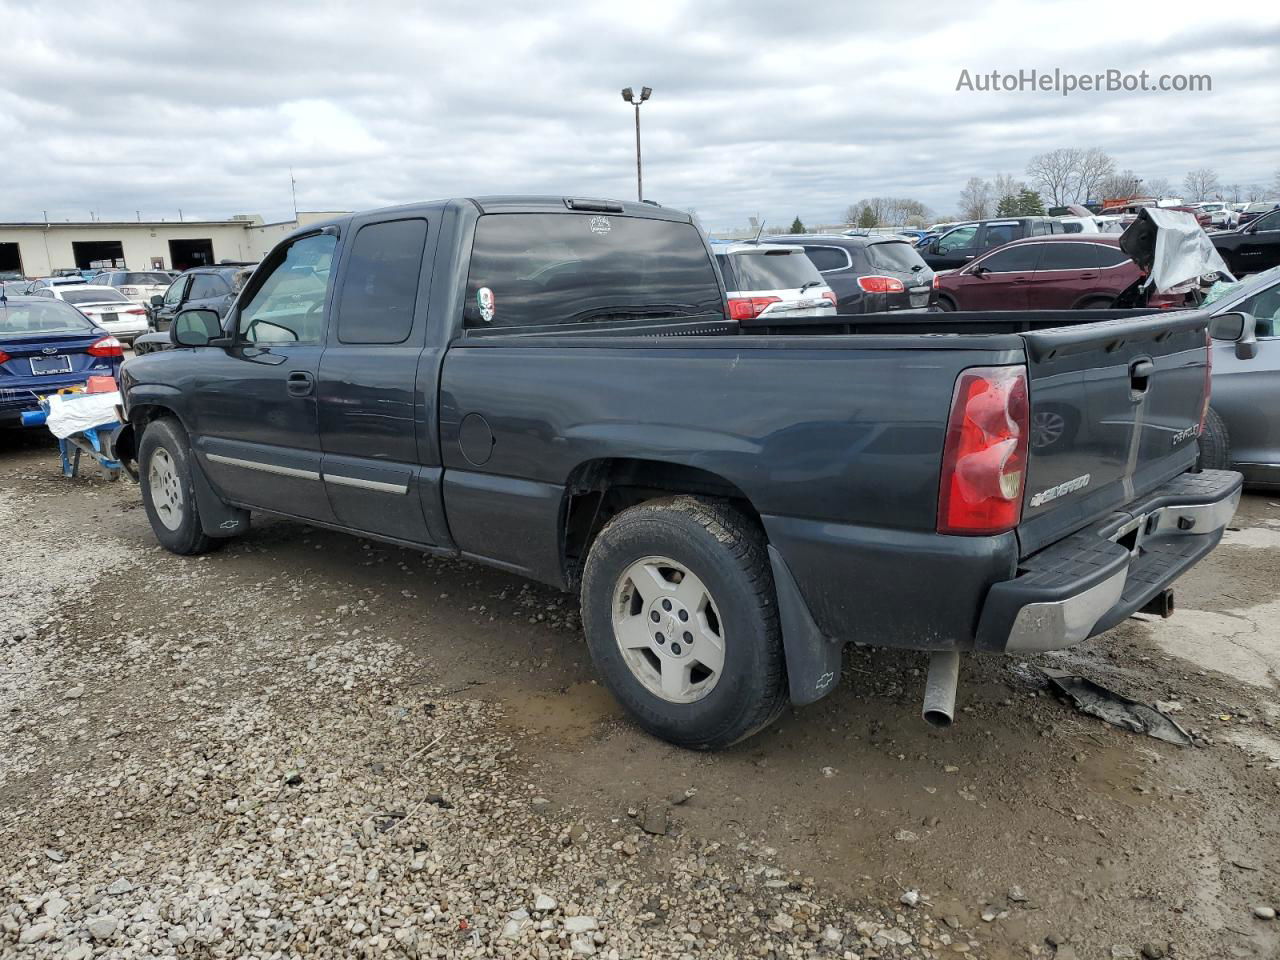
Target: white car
[
  {"x": 107, "y": 307},
  {"x": 138, "y": 285},
  {"x": 1221, "y": 215},
  {"x": 45, "y": 283},
  {"x": 772, "y": 279},
  {"x": 1078, "y": 224}
]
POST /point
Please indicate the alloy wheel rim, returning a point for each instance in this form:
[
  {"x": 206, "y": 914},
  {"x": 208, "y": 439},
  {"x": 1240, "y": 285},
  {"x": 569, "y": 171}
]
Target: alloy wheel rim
[{"x": 668, "y": 629}]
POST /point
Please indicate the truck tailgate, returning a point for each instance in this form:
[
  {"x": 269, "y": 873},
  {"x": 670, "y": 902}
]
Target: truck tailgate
[{"x": 1115, "y": 413}]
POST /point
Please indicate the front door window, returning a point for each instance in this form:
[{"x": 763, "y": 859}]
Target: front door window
[{"x": 288, "y": 306}]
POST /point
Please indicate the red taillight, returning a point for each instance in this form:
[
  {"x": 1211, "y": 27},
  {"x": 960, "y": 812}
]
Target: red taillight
[
  {"x": 4, "y": 357},
  {"x": 937, "y": 282},
  {"x": 106, "y": 347},
  {"x": 880, "y": 284},
  {"x": 748, "y": 308},
  {"x": 830, "y": 297},
  {"x": 1208, "y": 380},
  {"x": 984, "y": 459},
  {"x": 135, "y": 312}
]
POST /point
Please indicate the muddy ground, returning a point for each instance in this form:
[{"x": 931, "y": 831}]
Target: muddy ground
[{"x": 1028, "y": 828}]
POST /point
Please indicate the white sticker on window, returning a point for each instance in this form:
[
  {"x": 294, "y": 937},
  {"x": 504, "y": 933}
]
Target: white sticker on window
[
  {"x": 484, "y": 300},
  {"x": 601, "y": 225}
]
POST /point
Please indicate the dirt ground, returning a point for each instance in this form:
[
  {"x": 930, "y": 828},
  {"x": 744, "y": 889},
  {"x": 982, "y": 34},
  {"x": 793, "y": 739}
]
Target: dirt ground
[{"x": 1028, "y": 829}]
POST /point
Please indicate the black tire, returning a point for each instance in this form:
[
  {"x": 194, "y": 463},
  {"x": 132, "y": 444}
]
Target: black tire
[
  {"x": 1215, "y": 443},
  {"x": 725, "y": 552},
  {"x": 946, "y": 305},
  {"x": 1097, "y": 303},
  {"x": 166, "y": 441}
]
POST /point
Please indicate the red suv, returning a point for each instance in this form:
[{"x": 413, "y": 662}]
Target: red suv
[{"x": 1061, "y": 272}]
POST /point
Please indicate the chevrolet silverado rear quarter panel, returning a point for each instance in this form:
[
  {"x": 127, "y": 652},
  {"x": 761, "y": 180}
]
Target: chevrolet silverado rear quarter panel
[{"x": 834, "y": 441}]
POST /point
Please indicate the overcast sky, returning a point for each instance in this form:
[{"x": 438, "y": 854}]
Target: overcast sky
[{"x": 769, "y": 109}]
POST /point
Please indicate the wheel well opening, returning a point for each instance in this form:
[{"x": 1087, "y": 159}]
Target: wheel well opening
[{"x": 600, "y": 489}]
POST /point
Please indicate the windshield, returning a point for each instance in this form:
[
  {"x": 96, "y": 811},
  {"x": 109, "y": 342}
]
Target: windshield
[
  {"x": 894, "y": 256},
  {"x": 93, "y": 295},
  {"x": 35, "y": 317},
  {"x": 774, "y": 270},
  {"x": 143, "y": 279}
]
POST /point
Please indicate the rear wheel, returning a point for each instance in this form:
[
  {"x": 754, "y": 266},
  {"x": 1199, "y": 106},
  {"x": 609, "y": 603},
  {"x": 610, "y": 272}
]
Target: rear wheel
[
  {"x": 164, "y": 472},
  {"x": 946, "y": 304},
  {"x": 1097, "y": 303},
  {"x": 682, "y": 622},
  {"x": 1215, "y": 443}
]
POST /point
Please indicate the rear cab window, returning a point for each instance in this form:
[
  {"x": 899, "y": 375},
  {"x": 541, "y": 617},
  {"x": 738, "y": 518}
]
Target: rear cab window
[{"x": 551, "y": 269}]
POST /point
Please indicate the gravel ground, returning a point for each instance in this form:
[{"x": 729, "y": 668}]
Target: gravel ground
[{"x": 308, "y": 745}]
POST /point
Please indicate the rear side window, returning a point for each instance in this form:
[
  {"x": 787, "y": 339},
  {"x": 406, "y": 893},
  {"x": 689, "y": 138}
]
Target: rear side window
[
  {"x": 539, "y": 269},
  {"x": 381, "y": 285},
  {"x": 1109, "y": 256},
  {"x": 999, "y": 233},
  {"x": 1069, "y": 256},
  {"x": 725, "y": 264},
  {"x": 1015, "y": 259},
  {"x": 827, "y": 258},
  {"x": 773, "y": 270},
  {"x": 206, "y": 286},
  {"x": 897, "y": 256}
]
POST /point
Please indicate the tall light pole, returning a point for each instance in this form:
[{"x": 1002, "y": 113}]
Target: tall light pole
[{"x": 629, "y": 95}]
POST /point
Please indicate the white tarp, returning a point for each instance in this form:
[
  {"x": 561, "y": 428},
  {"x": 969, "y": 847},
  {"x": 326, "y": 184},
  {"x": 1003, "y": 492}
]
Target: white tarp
[
  {"x": 72, "y": 412},
  {"x": 1183, "y": 251}
]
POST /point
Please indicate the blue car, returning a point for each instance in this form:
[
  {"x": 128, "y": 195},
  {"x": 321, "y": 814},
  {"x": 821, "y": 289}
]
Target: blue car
[{"x": 47, "y": 345}]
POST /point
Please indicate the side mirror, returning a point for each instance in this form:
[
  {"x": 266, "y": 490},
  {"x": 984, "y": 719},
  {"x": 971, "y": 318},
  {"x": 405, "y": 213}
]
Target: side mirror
[
  {"x": 1239, "y": 328},
  {"x": 157, "y": 300},
  {"x": 195, "y": 328},
  {"x": 979, "y": 271}
]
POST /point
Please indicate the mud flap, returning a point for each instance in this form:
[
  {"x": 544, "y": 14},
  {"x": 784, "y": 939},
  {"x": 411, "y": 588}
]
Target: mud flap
[
  {"x": 125, "y": 450},
  {"x": 217, "y": 518},
  {"x": 813, "y": 660}
]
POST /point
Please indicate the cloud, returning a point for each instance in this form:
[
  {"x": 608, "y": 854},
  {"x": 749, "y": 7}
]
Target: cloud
[{"x": 760, "y": 109}]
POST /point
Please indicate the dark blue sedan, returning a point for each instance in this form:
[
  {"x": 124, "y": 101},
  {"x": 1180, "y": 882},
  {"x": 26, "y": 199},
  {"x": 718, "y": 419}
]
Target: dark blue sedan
[{"x": 45, "y": 346}]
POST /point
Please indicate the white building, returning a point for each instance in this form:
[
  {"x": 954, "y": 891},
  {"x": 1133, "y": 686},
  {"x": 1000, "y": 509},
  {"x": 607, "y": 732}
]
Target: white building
[{"x": 38, "y": 249}]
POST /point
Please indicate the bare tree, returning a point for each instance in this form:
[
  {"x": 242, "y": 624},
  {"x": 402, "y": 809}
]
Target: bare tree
[
  {"x": 1054, "y": 174},
  {"x": 1126, "y": 183},
  {"x": 886, "y": 211},
  {"x": 1255, "y": 191},
  {"x": 1003, "y": 185},
  {"x": 1093, "y": 166},
  {"x": 1158, "y": 187},
  {"x": 1201, "y": 183},
  {"x": 1233, "y": 191},
  {"x": 976, "y": 201}
]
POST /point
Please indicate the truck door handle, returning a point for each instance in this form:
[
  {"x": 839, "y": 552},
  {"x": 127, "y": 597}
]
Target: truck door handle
[
  {"x": 1140, "y": 375},
  {"x": 300, "y": 384}
]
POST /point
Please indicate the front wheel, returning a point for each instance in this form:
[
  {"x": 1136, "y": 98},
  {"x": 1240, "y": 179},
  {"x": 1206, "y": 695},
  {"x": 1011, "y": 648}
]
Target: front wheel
[
  {"x": 681, "y": 621},
  {"x": 164, "y": 473}
]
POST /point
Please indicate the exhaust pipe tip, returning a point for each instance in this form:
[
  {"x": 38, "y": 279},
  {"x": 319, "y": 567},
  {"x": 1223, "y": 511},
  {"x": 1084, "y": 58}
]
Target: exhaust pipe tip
[
  {"x": 939, "y": 706},
  {"x": 937, "y": 718}
]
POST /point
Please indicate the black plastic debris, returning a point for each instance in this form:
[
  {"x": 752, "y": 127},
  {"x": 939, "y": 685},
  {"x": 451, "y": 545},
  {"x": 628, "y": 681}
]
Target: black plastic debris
[{"x": 1117, "y": 709}]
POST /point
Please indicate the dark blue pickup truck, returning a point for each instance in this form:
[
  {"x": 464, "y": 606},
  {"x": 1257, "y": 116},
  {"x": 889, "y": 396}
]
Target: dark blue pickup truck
[{"x": 552, "y": 386}]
